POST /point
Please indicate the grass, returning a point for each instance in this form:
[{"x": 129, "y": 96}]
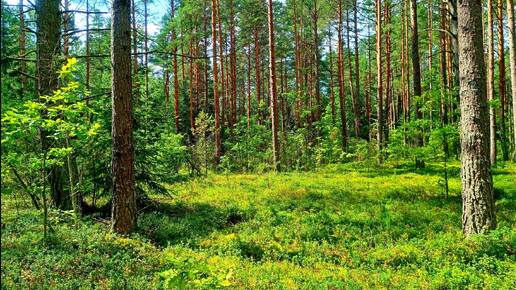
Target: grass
[{"x": 343, "y": 226}]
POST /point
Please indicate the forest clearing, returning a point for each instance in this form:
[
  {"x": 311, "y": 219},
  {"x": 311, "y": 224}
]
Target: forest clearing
[
  {"x": 258, "y": 144},
  {"x": 343, "y": 226}
]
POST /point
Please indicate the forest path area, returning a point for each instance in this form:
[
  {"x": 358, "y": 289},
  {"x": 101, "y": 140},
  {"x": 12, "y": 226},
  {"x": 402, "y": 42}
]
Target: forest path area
[{"x": 342, "y": 226}]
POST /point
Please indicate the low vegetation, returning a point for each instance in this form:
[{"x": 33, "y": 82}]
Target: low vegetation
[{"x": 346, "y": 226}]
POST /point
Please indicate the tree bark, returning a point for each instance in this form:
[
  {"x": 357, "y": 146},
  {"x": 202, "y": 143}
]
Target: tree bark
[
  {"x": 477, "y": 187},
  {"x": 342, "y": 101},
  {"x": 490, "y": 82},
  {"x": 330, "y": 60},
  {"x": 175, "y": 70},
  {"x": 379, "y": 98},
  {"x": 232, "y": 41},
  {"x": 21, "y": 52},
  {"x": 272, "y": 87},
  {"x": 215, "y": 79},
  {"x": 358, "y": 124},
  {"x": 501, "y": 82},
  {"x": 48, "y": 42},
  {"x": 416, "y": 67},
  {"x": 135, "y": 39},
  {"x": 512, "y": 63},
  {"x": 124, "y": 200}
]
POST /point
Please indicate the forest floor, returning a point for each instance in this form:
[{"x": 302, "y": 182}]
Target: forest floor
[{"x": 343, "y": 226}]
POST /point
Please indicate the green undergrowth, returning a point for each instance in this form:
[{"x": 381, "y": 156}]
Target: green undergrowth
[{"x": 345, "y": 226}]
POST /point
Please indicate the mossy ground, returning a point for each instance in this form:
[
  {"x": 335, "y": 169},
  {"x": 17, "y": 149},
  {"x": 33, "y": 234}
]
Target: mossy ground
[{"x": 346, "y": 226}]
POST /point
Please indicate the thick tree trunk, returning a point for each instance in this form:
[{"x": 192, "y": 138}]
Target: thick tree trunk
[
  {"x": 124, "y": 199},
  {"x": 477, "y": 187},
  {"x": 48, "y": 41},
  {"x": 272, "y": 87}
]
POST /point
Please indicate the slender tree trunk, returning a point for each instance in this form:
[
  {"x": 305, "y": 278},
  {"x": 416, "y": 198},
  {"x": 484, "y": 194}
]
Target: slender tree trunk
[
  {"x": 512, "y": 63},
  {"x": 135, "y": 39},
  {"x": 21, "y": 52},
  {"x": 317, "y": 57},
  {"x": 215, "y": 79},
  {"x": 330, "y": 60},
  {"x": 124, "y": 199},
  {"x": 175, "y": 70},
  {"x": 354, "y": 99},
  {"x": 477, "y": 187},
  {"x": 388, "y": 74},
  {"x": 379, "y": 98},
  {"x": 191, "y": 89},
  {"x": 222, "y": 74},
  {"x": 232, "y": 41},
  {"x": 342, "y": 101},
  {"x": 249, "y": 68},
  {"x": 443, "y": 66},
  {"x": 88, "y": 61},
  {"x": 257, "y": 71},
  {"x": 358, "y": 124},
  {"x": 430, "y": 28},
  {"x": 490, "y": 82},
  {"x": 369, "y": 84},
  {"x": 501, "y": 82},
  {"x": 272, "y": 86},
  {"x": 146, "y": 49},
  {"x": 416, "y": 67}
]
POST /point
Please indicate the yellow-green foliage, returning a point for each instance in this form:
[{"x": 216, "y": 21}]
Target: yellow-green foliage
[{"x": 341, "y": 227}]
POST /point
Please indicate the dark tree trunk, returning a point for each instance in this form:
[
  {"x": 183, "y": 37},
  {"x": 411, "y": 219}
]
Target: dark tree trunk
[
  {"x": 48, "y": 40},
  {"x": 477, "y": 187},
  {"x": 124, "y": 200}
]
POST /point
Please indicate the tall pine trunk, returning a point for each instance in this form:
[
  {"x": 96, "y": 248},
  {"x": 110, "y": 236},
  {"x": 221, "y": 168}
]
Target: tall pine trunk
[
  {"x": 272, "y": 87},
  {"x": 512, "y": 63},
  {"x": 477, "y": 187},
  {"x": 490, "y": 82},
  {"x": 124, "y": 199}
]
